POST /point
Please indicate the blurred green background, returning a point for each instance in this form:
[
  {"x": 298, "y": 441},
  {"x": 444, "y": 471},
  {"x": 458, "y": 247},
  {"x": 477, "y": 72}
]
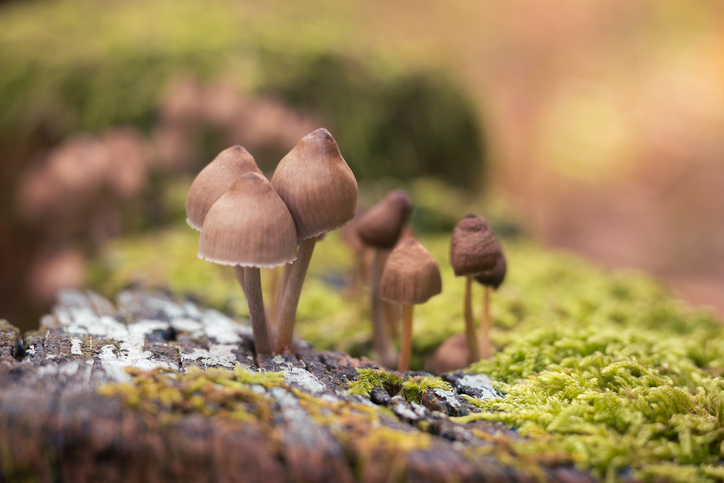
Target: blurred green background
[{"x": 593, "y": 127}]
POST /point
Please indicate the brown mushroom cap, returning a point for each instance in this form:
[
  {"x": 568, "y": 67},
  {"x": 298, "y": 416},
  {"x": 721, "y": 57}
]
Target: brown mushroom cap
[
  {"x": 411, "y": 274},
  {"x": 493, "y": 278},
  {"x": 473, "y": 248},
  {"x": 249, "y": 226},
  {"x": 382, "y": 225},
  {"x": 214, "y": 180},
  {"x": 316, "y": 184}
]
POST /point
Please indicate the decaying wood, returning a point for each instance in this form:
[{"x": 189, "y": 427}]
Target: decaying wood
[{"x": 55, "y": 426}]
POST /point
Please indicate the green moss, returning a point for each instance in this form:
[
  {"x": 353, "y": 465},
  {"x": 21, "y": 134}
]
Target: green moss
[
  {"x": 615, "y": 397},
  {"x": 414, "y": 387},
  {"x": 368, "y": 379}
]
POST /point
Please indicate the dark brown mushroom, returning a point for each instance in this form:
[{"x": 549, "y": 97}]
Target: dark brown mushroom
[{"x": 473, "y": 249}]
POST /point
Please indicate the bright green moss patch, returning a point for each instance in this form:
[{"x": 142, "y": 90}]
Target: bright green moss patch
[
  {"x": 369, "y": 379},
  {"x": 410, "y": 388},
  {"x": 617, "y": 394},
  {"x": 414, "y": 387}
]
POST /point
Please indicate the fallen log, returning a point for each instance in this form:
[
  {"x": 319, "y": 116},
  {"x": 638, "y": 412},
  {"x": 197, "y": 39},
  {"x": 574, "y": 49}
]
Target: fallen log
[{"x": 160, "y": 389}]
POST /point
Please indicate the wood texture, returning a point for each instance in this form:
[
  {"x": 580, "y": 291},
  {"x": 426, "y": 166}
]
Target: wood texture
[{"x": 56, "y": 426}]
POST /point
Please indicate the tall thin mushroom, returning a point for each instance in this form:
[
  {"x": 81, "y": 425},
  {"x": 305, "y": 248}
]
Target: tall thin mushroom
[
  {"x": 492, "y": 278},
  {"x": 320, "y": 191},
  {"x": 381, "y": 228},
  {"x": 411, "y": 277},
  {"x": 250, "y": 227},
  {"x": 473, "y": 249}
]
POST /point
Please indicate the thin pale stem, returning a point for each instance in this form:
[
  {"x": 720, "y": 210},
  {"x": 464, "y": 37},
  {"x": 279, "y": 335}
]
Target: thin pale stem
[
  {"x": 292, "y": 289},
  {"x": 280, "y": 291},
  {"x": 486, "y": 348},
  {"x": 255, "y": 299},
  {"x": 239, "y": 272},
  {"x": 385, "y": 353},
  {"x": 408, "y": 312},
  {"x": 273, "y": 295},
  {"x": 469, "y": 322}
]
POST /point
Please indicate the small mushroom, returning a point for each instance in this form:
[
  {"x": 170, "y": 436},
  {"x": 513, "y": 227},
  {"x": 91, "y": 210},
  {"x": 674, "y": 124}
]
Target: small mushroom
[
  {"x": 473, "y": 249},
  {"x": 411, "y": 277},
  {"x": 381, "y": 228},
  {"x": 453, "y": 354},
  {"x": 320, "y": 191},
  {"x": 492, "y": 278},
  {"x": 250, "y": 227}
]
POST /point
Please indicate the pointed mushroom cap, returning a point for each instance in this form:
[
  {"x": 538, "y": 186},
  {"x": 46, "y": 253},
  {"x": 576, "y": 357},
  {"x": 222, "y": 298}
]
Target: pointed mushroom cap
[
  {"x": 494, "y": 277},
  {"x": 316, "y": 184},
  {"x": 214, "y": 180},
  {"x": 473, "y": 247},
  {"x": 382, "y": 225},
  {"x": 249, "y": 226},
  {"x": 411, "y": 274}
]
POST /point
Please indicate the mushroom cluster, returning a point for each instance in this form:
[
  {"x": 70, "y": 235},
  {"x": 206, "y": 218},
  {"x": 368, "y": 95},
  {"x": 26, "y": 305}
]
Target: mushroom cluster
[{"x": 248, "y": 222}]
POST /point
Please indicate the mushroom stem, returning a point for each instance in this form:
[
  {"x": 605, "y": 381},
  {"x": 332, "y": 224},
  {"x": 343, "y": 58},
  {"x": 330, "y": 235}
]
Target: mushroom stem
[
  {"x": 255, "y": 300},
  {"x": 291, "y": 289},
  {"x": 385, "y": 353},
  {"x": 280, "y": 291},
  {"x": 239, "y": 272},
  {"x": 469, "y": 322},
  {"x": 273, "y": 295},
  {"x": 486, "y": 348},
  {"x": 406, "y": 347}
]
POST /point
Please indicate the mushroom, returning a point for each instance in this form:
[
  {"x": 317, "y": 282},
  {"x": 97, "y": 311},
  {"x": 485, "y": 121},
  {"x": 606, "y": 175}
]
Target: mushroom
[
  {"x": 491, "y": 278},
  {"x": 212, "y": 182},
  {"x": 473, "y": 249},
  {"x": 381, "y": 228},
  {"x": 411, "y": 277},
  {"x": 250, "y": 227},
  {"x": 320, "y": 191}
]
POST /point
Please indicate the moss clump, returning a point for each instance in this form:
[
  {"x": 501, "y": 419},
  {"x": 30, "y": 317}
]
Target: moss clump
[
  {"x": 410, "y": 388},
  {"x": 368, "y": 379},
  {"x": 166, "y": 395},
  {"x": 614, "y": 399},
  {"x": 414, "y": 387}
]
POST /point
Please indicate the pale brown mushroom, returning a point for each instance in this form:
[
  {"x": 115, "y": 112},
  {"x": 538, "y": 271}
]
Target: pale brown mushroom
[
  {"x": 411, "y": 277},
  {"x": 320, "y": 191},
  {"x": 250, "y": 227}
]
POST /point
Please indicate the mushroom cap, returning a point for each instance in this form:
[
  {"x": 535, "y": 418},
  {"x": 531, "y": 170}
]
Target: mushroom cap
[
  {"x": 382, "y": 225},
  {"x": 411, "y": 275},
  {"x": 316, "y": 184},
  {"x": 473, "y": 247},
  {"x": 249, "y": 226},
  {"x": 496, "y": 275},
  {"x": 214, "y": 180}
]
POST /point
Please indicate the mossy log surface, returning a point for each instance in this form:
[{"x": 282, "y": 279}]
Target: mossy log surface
[{"x": 64, "y": 416}]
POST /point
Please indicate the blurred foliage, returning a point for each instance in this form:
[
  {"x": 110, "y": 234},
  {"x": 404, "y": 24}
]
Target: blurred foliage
[{"x": 86, "y": 66}]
